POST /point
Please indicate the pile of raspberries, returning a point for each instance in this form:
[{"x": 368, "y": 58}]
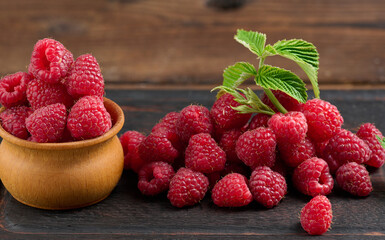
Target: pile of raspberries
[
  {"x": 242, "y": 157},
  {"x": 57, "y": 100}
]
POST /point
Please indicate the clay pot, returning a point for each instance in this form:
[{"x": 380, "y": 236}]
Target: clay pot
[{"x": 63, "y": 175}]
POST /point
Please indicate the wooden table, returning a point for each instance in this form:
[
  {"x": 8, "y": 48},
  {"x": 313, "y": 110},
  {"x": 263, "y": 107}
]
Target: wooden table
[{"x": 126, "y": 214}]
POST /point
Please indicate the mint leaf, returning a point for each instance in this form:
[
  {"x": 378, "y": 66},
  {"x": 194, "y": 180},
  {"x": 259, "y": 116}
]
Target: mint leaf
[
  {"x": 382, "y": 141},
  {"x": 280, "y": 79},
  {"x": 254, "y": 41},
  {"x": 235, "y": 75}
]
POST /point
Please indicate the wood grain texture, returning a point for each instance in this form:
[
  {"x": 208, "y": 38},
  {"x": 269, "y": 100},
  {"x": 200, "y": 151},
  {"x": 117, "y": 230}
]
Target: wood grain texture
[
  {"x": 183, "y": 42},
  {"x": 127, "y": 214}
]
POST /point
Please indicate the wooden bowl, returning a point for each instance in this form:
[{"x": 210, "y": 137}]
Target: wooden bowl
[{"x": 63, "y": 175}]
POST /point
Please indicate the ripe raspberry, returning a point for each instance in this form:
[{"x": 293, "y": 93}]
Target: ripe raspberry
[
  {"x": 257, "y": 147},
  {"x": 193, "y": 119},
  {"x": 155, "y": 178},
  {"x": 224, "y": 116},
  {"x": 295, "y": 153},
  {"x": 13, "y": 88},
  {"x": 354, "y": 178},
  {"x": 228, "y": 142},
  {"x": 316, "y": 215},
  {"x": 47, "y": 124},
  {"x": 204, "y": 155},
  {"x": 323, "y": 119},
  {"x": 232, "y": 191},
  {"x": 368, "y": 133},
  {"x": 85, "y": 78},
  {"x": 288, "y": 128},
  {"x": 268, "y": 187},
  {"x": 130, "y": 141},
  {"x": 280, "y": 167},
  {"x": 168, "y": 122},
  {"x": 320, "y": 148},
  {"x": 50, "y": 61},
  {"x": 88, "y": 118},
  {"x": 312, "y": 177},
  {"x": 187, "y": 188},
  {"x": 41, "y": 94},
  {"x": 13, "y": 121},
  {"x": 289, "y": 103},
  {"x": 259, "y": 120}
]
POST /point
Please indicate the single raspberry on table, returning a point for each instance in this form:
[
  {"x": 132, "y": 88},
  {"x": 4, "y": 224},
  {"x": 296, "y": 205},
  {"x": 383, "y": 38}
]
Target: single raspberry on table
[
  {"x": 13, "y": 89},
  {"x": 130, "y": 141},
  {"x": 85, "y": 78},
  {"x": 232, "y": 191},
  {"x": 268, "y": 187},
  {"x": 259, "y": 120},
  {"x": 204, "y": 155},
  {"x": 354, "y": 178},
  {"x": 316, "y": 215},
  {"x": 13, "y": 121},
  {"x": 155, "y": 178},
  {"x": 323, "y": 119},
  {"x": 257, "y": 147},
  {"x": 50, "y": 61},
  {"x": 88, "y": 118},
  {"x": 294, "y": 154},
  {"x": 312, "y": 177},
  {"x": 228, "y": 142},
  {"x": 41, "y": 94},
  {"x": 47, "y": 124},
  {"x": 289, "y": 128},
  {"x": 289, "y": 103},
  {"x": 368, "y": 132},
  {"x": 187, "y": 187}
]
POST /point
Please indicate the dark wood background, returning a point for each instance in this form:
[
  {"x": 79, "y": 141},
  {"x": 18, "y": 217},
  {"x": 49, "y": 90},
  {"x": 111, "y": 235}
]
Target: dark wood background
[{"x": 141, "y": 43}]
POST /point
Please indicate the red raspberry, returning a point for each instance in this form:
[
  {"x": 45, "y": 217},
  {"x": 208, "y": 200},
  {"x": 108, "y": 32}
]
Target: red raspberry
[
  {"x": 41, "y": 94},
  {"x": 13, "y": 88},
  {"x": 155, "y": 178},
  {"x": 288, "y": 128},
  {"x": 130, "y": 141},
  {"x": 268, "y": 187},
  {"x": 88, "y": 118},
  {"x": 354, "y": 178},
  {"x": 289, "y": 103},
  {"x": 316, "y": 215},
  {"x": 368, "y": 133},
  {"x": 229, "y": 168},
  {"x": 257, "y": 147},
  {"x": 193, "y": 119},
  {"x": 232, "y": 191},
  {"x": 50, "y": 61},
  {"x": 312, "y": 177},
  {"x": 13, "y": 121},
  {"x": 187, "y": 188},
  {"x": 228, "y": 142},
  {"x": 204, "y": 155},
  {"x": 47, "y": 124},
  {"x": 168, "y": 122},
  {"x": 320, "y": 148},
  {"x": 224, "y": 116},
  {"x": 280, "y": 167},
  {"x": 323, "y": 119},
  {"x": 259, "y": 120},
  {"x": 295, "y": 153},
  {"x": 85, "y": 78}
]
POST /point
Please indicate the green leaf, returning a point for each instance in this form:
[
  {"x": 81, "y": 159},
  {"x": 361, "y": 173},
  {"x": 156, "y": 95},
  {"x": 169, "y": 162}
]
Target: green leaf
[
  {"x": 275, "y": 78},
  {"x": 382, "y": 141},
  {"x": 235, "y": 75},
  {"x": 254, "y": 41}
]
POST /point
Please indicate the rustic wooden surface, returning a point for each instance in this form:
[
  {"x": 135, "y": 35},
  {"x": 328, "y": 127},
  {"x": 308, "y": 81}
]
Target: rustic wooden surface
[
  {"x": 183, "y": 42},
  {"x": 127, "y": 214}
]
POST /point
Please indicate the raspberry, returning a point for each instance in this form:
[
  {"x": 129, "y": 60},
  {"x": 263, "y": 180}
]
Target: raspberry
[
  {"x": 168, "y": 122},
  {"x": 192, "y": 120},
  {"x": 224, "y": 116},
  {"x": 47, "y": 124},
  {"x": 187, "y": 188},
  {"x": 295, "y": 153},
  {"x": 316, "y": 215},
  {"x": 41, "y": 94},
  {"x": 354, "y": 178},
  {"x": 280, "y": 167},
  {"x": 368, "y": 133},
  {"x": 312, "y": 177},
  {"x": 155, "y": 178},
  {"x": 13, "y": 121},
  {"x": 228, "y": 142},
  {"x": 50, "y": 61},
  {"x": 13, "y": 88},
  {"x": 85, "y": 78},
  {"x": 268, "y": 187},
  {"x": 289, "y": 103},
  {"x": 288, "y": 128},
  {"x": 257, "y": 147},
  {"x": 232, "y": 191},
  {"x": 204, "y": 155},
  {"x": 130, "y": 141},
  {"x": 323, "y": 119},
  {"x": 88, "y": 118},
  {"x": 320, "y": 148},
  {"x": 259, "y": 120}
]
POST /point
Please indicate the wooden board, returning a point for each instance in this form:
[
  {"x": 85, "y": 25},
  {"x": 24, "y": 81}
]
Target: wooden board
[{"x": 126, "y": 214}]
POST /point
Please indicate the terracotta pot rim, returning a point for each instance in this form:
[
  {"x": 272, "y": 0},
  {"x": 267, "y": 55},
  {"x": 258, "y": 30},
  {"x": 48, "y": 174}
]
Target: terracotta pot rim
[{"x": 110, "y": 105}]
